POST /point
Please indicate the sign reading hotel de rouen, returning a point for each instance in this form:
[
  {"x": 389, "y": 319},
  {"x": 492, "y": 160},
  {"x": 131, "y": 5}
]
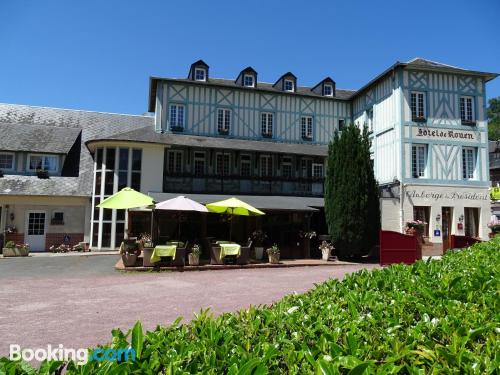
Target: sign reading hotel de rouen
[{"x": 448, "y": 134}]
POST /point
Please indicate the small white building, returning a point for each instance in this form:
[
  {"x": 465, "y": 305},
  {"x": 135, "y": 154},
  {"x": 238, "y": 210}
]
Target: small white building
[{"x": 430, "y": 147}]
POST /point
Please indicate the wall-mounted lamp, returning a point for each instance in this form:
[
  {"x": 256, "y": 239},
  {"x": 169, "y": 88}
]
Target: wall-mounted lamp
[
  {"x": 461, "y": 218},
  {"x": 438, "y": 217},
  {"x": 12, "y": 216}
]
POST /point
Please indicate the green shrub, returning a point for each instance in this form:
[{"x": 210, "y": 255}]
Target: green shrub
[
  {"x": 10, "y": 245},
  {"x": 431, "y": 317}
]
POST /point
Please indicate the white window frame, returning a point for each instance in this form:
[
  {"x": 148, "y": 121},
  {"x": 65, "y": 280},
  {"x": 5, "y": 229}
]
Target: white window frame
[
  {"x": 43, "y": 156},
  {"x": 469, "y": 171},
  {"x": 246, "y": 159},
  {"x": 13, "y": 161},
  {"x": 306, "y": 126},
  {"x": 419, "y": 171},
  {"x": 329, "y": 87},
  {"x": 286, "y": 81},
  {"x": 224, "y": 121},
  {"x": 204, "y": 73},
  {"x": 223, "y": 155},
  {"x": 176, "y": 123},
  {"x": 175, "y": 156},
  {"x": 199, "y": 156},
  {"x": 420, "y": 97},
  {"x": 313, "y": 171},
  {"x": 267, "y": 123},
  {"x": 268, "y": 165},
  {"x": 251, "y": 76},
  {"x": 469, "y": 110}
]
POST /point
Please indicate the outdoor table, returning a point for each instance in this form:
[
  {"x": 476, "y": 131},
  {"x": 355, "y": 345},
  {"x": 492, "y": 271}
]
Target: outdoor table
[
  {"x": 229, "y": 249},
  {"x": 222, "y": 242},
  {"x": 163, "y": 251}
]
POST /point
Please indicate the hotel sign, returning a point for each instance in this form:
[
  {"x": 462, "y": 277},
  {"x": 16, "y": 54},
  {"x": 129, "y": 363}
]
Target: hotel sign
[
  {"x": 454, "y": 195},
  {"x": 445, "y": 134}
]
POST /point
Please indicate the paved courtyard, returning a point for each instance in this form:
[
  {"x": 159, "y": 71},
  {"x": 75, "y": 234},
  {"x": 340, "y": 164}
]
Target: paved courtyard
[{"x": 77, "y": 300}]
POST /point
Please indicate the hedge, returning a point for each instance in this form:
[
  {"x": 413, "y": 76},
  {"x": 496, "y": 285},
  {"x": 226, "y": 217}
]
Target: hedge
[{"x": 431, "y": 317}]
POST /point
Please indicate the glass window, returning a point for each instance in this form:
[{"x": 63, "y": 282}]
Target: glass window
[
  {"x": 317, "y": 170},
  {"x": 471, "y": 221},
  {"x": 341, "y": 124},
  {"x": 176, "y": 116},
  {"x": 419, "y": 160},
  {"x": 468, "y": 162},
  {"x": 46, "y": 162},
  {"x": 123, "y": 160},
  {"x": 417, "y": 105},
  {"x": 174, "y": 161},
  {"x": 248, "y": 80},
  {"x": 98, "y": 179},
  {"x": 106, "y": 234},
  {"x": 122, "y": 180},
  {"x": 136, "y": 181},
  {"x": 328, "y": 90},
  {"x": 466, "y": 109},
  {"x": 136, "y": 160},
  {"x": 199, "y": 74},
  {"x": 286, "y": 167},
  {"x": 266, "y": 166},
  {"x": 288, "y": 85},
  {"x": 108, "y": 183},
  {"x": 245, "y": 168},
  {"x": 223, "y": 120},
  {"x": 422, "y": 213},
  {"x": 98, "y": 158},
  {"x": 223, "y": 164},
  {"x": 199, "y": 163},
  {"x": 307, "y": 127},
  {"x": 110, "y": 158},
  {"x": 6, "y": 161},
  {"x": 267, "y": 124}
]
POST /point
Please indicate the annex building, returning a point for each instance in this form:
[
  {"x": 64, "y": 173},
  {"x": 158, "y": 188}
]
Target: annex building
[{"x": 210, "y": 138}]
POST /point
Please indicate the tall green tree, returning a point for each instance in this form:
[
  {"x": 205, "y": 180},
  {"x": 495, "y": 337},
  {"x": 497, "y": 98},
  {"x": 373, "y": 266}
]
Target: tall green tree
[
  {"x": 493, "y": 112},
  {"x": 352, "y": 206}
]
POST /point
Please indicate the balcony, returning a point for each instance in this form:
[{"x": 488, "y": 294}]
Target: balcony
[{"x": 212, "y": 184}]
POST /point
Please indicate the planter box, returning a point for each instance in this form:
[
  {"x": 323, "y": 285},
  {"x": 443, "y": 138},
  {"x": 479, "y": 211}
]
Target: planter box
[
  {"x": 194, "y": 259},
  {"x": 177, "y": 128},
  {"x": 129, "y": 260},
  {"x": 274, "y": 259},
  {"x": 259, "y": 252},
  {"x": 15, "y": 252},
  {"x": 468, "y": 123},
  {"x": 419, "y": 119},
  {"x": 223, "y": 132},
  {"x": 267, "y": 135}
]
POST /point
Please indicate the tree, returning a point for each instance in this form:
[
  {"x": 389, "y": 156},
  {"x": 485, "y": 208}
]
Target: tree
[
  {"x": 493, "y": 112},
  {"x": 352, "y": 206}
]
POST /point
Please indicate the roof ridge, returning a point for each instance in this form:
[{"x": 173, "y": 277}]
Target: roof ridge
[{"x": 434, "y": 62}]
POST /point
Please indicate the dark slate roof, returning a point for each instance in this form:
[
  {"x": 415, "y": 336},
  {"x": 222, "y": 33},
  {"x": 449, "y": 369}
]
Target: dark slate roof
[
  {"x": 148, "y": 135},
  {"x": 261, "y": 86},
  {"x": 32, "y": 185},
  {"x": 92, "y": 125},
  {"x": 37, "y": 138}
]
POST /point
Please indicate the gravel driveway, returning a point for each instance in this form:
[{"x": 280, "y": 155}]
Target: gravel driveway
[{"x": 76, "y": 301}]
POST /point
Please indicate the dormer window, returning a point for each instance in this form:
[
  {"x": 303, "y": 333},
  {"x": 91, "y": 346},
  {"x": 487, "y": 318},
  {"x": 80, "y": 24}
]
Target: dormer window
[
  {"x": 200, "y": 74},
  {"x": 248, "y": 80},
  {"x": 328, "y": 90},
  {"x": 288, "y": 85}
]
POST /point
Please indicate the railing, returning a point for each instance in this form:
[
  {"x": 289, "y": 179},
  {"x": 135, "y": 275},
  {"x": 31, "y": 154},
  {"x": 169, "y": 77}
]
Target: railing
[{"x": 183, "y": 183}]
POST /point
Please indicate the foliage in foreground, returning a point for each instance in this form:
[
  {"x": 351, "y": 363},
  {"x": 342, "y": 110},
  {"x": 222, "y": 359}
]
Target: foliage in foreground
[
  {"x": 432, "y": 317},
  {"x": 352, "y": 209}
]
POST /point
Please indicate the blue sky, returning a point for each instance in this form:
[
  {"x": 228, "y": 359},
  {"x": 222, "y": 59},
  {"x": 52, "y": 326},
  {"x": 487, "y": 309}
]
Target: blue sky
[{"x": 98, "y": 55}]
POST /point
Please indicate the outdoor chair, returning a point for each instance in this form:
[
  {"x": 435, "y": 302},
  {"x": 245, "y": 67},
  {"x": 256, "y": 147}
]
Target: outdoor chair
[
  {"x": 215, "y": 255},
  {"x": 244, "y": 256},
  {"x": 179, "y": 260}
]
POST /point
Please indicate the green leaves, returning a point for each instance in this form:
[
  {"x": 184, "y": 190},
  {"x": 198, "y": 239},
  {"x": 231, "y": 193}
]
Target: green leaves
[{"x": 431, "y": 317}]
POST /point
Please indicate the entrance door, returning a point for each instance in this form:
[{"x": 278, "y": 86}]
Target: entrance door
[
  {"x": 446, "y": 217},
  {"x": 35, "y": 230}
]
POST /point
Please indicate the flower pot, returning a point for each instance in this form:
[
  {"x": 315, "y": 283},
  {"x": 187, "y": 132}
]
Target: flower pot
[
  {"x": 15, "y": 252},
  {"x": 325, "y": 255},
  {"x": 274, "y": 258},
  {"x": 259, "y": 252},
  {"x": 129, "y": 259},
  {"x": 194, "y": 259}
]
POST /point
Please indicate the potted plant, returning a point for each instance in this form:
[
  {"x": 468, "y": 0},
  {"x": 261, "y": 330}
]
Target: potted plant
[
  {"x": 494, "y": 227},
  {"x": 194, "y": 255},
  {"x": 146, "y": 240},
  {"x": 23, "y": 249},
  {"x": 9, "y": 249},
  {"x": 42, "y": 173},
  {"x": 258, "y": 237},
  {"x": 129, "y": 251},
  {"x": 274, "y": 254},
  {"x": 326, "y": 250},
  {"x": 62, "y": 248}
]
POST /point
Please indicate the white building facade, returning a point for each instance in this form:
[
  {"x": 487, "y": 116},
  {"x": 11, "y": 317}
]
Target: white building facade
[{"x": 430, "y": 147}]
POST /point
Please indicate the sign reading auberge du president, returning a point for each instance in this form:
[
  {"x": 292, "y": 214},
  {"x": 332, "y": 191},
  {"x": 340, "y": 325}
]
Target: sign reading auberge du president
[{"x": 433, "y": 195}]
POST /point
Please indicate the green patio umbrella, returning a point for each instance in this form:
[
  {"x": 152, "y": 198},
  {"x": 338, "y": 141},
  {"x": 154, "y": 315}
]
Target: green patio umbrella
[
  {"x": 233, "y": 206},
  {"x": 125, "y": 199}
]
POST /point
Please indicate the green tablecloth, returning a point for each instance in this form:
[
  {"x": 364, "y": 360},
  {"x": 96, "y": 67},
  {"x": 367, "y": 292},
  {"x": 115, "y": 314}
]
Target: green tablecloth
[
  {"x": 229, "y": 249},
  {"x": 221, "y": 242},
  {"x": 163, "y": 251}
]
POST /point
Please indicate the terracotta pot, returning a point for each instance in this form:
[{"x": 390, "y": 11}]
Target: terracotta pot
[
  {"x": 274, "y": 258},
  {"x": 129, "y": 259},
  {"x": 194, "y": 259}
]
